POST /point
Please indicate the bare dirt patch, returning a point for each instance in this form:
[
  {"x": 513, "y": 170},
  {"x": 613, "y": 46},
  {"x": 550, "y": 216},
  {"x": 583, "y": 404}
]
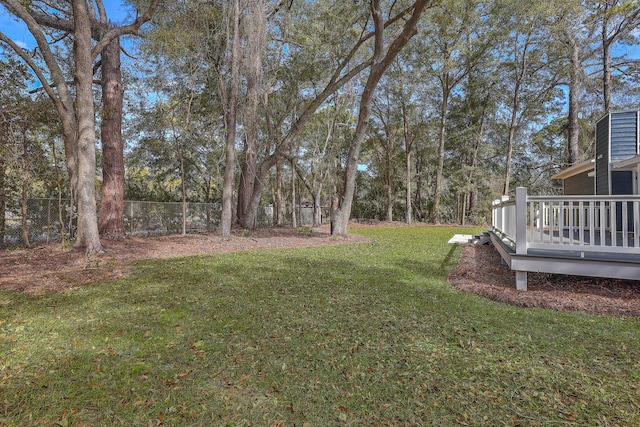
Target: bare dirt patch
[
  {"x": 51, "y": 267},
  {"x": 480, "y": 271}
]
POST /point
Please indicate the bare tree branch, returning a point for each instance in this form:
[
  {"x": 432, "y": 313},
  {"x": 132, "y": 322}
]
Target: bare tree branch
[
  {"x": 34, "y": 67},
  {"x": 126, "y": 29}
]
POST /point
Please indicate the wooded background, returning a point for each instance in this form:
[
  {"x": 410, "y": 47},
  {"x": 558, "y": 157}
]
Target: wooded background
[{"x": 388, "y": 110}]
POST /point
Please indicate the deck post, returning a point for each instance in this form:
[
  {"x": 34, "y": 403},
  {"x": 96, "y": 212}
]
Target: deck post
[
  {"x": 521, "y": 280},
  {"x": 521, "y": 234}
]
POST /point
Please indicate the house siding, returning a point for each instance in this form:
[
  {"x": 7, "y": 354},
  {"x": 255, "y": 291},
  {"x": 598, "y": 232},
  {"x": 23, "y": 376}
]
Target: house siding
[
  {"x": 621, "y": 183},
  {"x": 579, "y": 185},
  {"x": 602, "y": 155},
  {"x": 624, "y": 135}
]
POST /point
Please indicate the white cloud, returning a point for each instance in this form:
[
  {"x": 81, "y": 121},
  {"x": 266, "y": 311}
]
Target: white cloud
[{"x": 21, "y": 43}]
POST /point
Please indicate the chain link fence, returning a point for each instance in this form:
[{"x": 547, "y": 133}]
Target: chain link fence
[
  {"x": 166, "y": 218},
  {"x": 44, "y": 218}
]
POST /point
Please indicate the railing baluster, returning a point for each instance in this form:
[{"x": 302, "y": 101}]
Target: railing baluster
[
  {"x": 554, "y": 222},
  {"x": 541, "y": 220},
  {"x": 531, "y": 221},
  {"x": 636, "y": 224},
  {"x": 561, "y": 222},
  {"x": 613, "y": 229},
  {"x": 592, "y": 223},
  {"x": 571, "y": 213},
  {"x": 625, "y": 225},
  {"x": 549, "y": 227},
  {"x": 581, "y": 223},
  {"x": 603, "y": 223},
  {"x": 544, "y": 224},
  {"x": 550, "y": 222}
]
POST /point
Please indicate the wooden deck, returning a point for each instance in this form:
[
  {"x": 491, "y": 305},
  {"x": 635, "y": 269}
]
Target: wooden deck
[{"x": 586, "y": 236}]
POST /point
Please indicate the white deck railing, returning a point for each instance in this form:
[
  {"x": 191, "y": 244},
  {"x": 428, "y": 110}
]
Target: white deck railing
[{"x": 570, "y": 223}]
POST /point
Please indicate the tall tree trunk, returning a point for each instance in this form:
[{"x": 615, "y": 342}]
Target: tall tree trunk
[
  {"x": 317, "y": 207},
  {"x": 435, "y": 209},
  {"x": 473, "y": 196},
  {"x": 230, "y": 116},
  {"x": 573, "y": 149},
  {"x": 521, "y": 71},
  {"x": 24, "y": 224},
  {"x": 88, "y": 237},
  {"x": 183, "y": 188},
  {"x": 408, "y": 213},
  {"x": 388, "y": 190},
  {"x": 77, "y": 115},
  {"x": 381, "y": 62},
  {"x": 277, "y": 199},
  {"x": 3, "y": 200},
  {"x": 513, "y": 124},
  {"x": 418, "y": 200},
  {"x": 336, "y": 82},
  {"x": 294, "y": 219},
  {"x": 255, "y": 28},
  {"x": 59, "y": 190},
  {"x": 340, "y": 216},
  {"x": 316, "y": 195},
  {"x": 606, "y": 74},
  {"x": 625, "y": 17},
  {"x": 478, "y": 105},
  {"x": 248, "y": 166},
  {"x": 111, "y": 222},
  {"x": 510, "y": 141},
  {"x": 26, "y": 173},
  {"x": 606, "y": 57},
  {"x": 335, "y": 199}
]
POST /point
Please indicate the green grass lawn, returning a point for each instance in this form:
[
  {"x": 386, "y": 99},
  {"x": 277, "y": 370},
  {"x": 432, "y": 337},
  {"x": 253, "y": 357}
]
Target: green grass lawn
[{"x": 368, "y": 334}]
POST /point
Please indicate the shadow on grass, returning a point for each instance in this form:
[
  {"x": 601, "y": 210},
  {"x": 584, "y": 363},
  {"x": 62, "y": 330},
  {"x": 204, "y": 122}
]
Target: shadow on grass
[{"x": 328, "y": 336}]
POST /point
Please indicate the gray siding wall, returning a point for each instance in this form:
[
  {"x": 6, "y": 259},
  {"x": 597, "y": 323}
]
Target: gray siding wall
[
  {"x": 624, "y": 135},
  {"x": 602, "y": 156},
  {"x": 621, "y": 182},
  {"x": 579, "y": 185}
]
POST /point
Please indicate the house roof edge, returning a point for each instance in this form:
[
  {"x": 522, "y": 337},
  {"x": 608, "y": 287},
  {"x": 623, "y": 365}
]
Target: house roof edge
[{"x": 576, "y": 169}]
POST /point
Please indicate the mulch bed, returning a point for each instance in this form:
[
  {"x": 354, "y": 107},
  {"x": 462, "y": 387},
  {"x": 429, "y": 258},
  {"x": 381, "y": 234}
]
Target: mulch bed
[{"x": 480, "y": 271}]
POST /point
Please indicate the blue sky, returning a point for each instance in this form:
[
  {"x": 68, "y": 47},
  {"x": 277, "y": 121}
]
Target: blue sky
[
  {"x": 14, "y": 30},
  {"x": 17, "y": 31}
]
